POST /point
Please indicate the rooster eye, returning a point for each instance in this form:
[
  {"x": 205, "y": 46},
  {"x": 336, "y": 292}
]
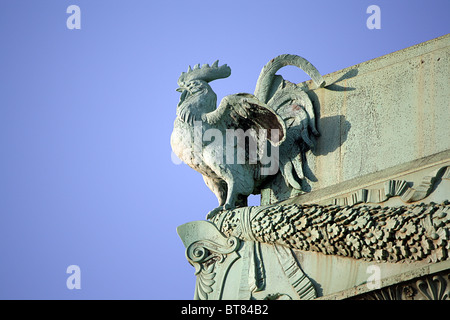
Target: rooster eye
[{"x": 194, "y": 90}]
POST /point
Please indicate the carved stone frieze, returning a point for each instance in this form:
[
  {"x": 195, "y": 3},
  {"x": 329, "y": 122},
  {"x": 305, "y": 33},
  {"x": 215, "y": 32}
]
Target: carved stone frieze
[{"x": 393, "y": 234}]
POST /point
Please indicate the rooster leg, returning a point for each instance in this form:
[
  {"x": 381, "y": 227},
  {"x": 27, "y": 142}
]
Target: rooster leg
[
  {"x": 242, "y": 201},
  {"x": 232, "y": 195},
  {"x": 240, "y": 186}
]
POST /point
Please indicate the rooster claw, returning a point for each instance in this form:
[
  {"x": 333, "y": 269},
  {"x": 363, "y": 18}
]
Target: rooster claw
[
  {"x": 214, "y": 212},
  {"x": 218, "y": 210},
  {"x": 228, "y": 206}
]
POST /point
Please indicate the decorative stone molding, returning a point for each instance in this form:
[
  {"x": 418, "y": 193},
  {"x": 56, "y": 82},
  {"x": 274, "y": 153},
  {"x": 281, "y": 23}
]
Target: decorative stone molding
[
  {"x": 214, "y": 256},
  {"x": 299, "y": 281},
  {"x": 393, "y": 234},
  {"x": 211, "y": 254},
  {"x": 430, "y": 287},
  {"x": 395, "y": 188}
]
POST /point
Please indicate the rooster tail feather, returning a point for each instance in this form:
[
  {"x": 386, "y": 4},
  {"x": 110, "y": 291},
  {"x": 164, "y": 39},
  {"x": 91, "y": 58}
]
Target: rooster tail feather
[
  {"x": 288, "y": 175},
  {"x": 267, "y": 74},
  {"x": 291, "y": 167},
  {"x": 298, "y": 167}
]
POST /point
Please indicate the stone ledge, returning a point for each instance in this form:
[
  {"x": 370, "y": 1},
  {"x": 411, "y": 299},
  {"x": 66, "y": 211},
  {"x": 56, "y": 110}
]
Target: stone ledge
[
  {"x": 403, "y": 278},
  {"x": 327, "y": 194}
]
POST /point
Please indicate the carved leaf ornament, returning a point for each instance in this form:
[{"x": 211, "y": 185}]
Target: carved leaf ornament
[{"x": 405, "y": 233}]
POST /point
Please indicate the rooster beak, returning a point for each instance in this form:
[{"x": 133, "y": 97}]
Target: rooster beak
[{"x": 182, "y": 87}]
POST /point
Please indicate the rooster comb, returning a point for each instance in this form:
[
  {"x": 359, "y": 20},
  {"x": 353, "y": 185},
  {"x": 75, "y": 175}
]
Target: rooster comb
[{"x": 206, "y": 73}]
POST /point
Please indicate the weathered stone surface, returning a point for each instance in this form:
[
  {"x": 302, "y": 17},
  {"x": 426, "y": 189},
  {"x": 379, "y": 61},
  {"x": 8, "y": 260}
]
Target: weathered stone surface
[{"x": 377, "y": 115}]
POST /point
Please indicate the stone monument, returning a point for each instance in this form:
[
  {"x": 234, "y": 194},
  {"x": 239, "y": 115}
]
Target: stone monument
[{"x": 353, "y": 169}]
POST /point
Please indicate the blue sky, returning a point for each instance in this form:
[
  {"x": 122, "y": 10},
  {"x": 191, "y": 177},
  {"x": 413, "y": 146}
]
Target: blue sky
[{"x": 86, "y": 176}]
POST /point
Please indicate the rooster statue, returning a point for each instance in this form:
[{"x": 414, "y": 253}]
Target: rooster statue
[{"x": 279, "y": 117}]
